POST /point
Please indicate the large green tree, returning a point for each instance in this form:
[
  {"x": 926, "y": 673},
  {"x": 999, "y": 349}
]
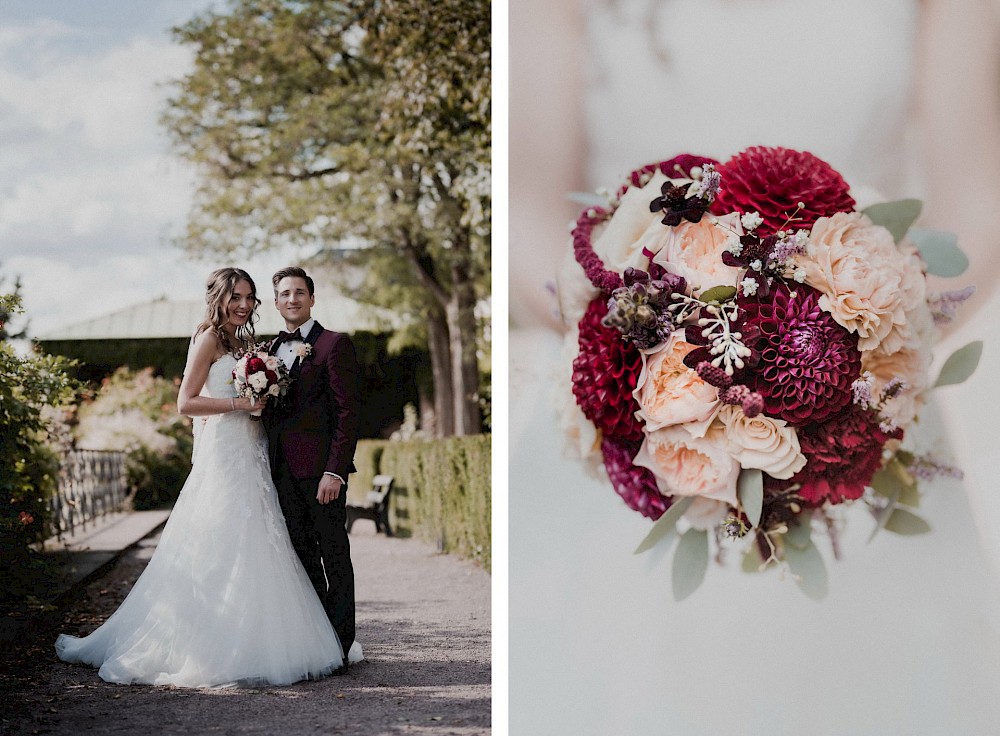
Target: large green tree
[{"x": 360, "y": 131}]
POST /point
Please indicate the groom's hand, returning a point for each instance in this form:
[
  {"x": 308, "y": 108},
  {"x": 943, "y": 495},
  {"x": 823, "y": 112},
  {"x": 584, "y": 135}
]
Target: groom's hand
[{"x": 329, "y": 489}]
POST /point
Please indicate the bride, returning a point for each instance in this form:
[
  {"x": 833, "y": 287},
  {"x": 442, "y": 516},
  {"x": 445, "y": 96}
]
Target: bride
[
  {"x": 907, "y": 640},
  {"x": 224, "y": 599}
]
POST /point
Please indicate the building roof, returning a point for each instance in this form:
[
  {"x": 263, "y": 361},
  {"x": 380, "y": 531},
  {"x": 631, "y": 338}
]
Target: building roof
[{"x": 167, "y": 318}]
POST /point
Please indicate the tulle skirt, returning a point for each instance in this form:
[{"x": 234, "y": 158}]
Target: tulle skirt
[{"x": 224, "y": 599}]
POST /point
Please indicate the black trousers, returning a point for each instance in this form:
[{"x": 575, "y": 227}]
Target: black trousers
[{"x": 319, "y": 536}]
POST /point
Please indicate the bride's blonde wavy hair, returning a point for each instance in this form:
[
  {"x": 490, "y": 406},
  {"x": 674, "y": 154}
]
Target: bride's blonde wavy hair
[{"x": 218, "y": 290}]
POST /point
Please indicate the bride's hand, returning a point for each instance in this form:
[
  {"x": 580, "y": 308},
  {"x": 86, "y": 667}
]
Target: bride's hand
[{"x": 243, "y": 404}]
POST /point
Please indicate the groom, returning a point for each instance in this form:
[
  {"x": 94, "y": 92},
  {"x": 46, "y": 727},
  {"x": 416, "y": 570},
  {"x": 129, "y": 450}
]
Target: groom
[{"x": 312, "y": 433}]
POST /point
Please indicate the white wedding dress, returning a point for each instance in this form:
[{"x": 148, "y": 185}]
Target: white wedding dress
[
  {"x": 907, "y": 641},
  {"x": 224, "y": 599}
]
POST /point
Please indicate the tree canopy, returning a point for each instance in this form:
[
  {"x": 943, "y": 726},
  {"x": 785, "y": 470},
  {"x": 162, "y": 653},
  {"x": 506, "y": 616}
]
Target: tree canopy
[{"x": 360, "y": 132}]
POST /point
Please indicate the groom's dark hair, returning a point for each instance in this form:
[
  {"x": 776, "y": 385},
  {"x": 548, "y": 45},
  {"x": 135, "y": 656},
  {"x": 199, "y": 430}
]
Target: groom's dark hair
[{"x": 295, "y": 272}]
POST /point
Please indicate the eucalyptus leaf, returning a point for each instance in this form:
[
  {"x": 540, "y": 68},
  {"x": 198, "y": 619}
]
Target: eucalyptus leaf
[
  {"x": 904, "y": 522},
  {"x": 690, "y": 563},
  {"x": 896, "y": 217},
  {"x": 750, "y": 490},
  {"x": 665, "y": 525},
  {"x": 961, "y": 364},
  {"x": 940, "y": 251},
  {"x": 588, "y": 199},
  {"x": 882, "y": 516},
  {"x": 799, "y": 533},
  {"x": 810, "y": 570},
  {"x": 718, "y": 294},
  {"x": 895, "y": 483},
  {"x": 752, "y": 560}
]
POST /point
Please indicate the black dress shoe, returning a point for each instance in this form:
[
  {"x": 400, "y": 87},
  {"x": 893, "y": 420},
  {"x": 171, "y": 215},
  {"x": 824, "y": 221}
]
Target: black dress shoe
[{"x": 342, "y": 670}]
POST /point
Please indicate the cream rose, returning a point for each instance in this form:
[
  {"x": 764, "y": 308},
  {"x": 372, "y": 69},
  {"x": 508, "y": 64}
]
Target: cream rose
[
  {"x": 685, "y": 465},
  {"x": 762, "y": 442},
  {"x": 668, "y": 391},
  {"x": 694, "y": 250},
  {"x": 860, "y": 272},
  {"x": 619, "y": 243}
]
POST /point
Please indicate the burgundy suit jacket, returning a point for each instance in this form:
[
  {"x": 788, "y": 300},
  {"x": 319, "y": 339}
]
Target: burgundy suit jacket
[{"x": 314, "y": 427}]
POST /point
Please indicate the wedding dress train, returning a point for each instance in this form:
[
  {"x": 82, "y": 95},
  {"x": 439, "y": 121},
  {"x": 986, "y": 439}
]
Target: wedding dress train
[{"x": 224, "y": 599}]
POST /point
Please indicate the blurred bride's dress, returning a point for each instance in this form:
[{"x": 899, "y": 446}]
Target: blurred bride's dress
[{"x": 908, "y": 639}]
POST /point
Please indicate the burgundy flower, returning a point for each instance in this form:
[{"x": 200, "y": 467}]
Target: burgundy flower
[
  {"x": 772, "y": 181},
  {"x": 807, "y": 361},
  {"x": 605, "y": 373},
  {"x": 842, "y": 455},
  {"x": 636, "y": 486}
]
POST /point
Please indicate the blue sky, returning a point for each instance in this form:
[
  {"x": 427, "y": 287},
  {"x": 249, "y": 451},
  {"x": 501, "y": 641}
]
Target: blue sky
[{"x": 91, "y": 196}]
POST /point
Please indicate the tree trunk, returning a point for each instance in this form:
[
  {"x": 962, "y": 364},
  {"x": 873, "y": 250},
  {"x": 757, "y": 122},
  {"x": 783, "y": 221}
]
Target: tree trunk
[
  {"x": 464, "y": 366},
  {"x": 441, "y": 368}
]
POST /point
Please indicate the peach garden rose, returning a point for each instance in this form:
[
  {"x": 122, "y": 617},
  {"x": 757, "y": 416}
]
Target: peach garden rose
[
  {"x": 668, "y": 391},
  {"x": 685, "y": 465}
]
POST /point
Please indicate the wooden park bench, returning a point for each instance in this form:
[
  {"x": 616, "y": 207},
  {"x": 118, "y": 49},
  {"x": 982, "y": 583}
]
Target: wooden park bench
[{"x": 376, "y": 507}]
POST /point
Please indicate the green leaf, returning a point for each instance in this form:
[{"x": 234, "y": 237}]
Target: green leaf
[
  {"x": 664, "y": 526},
  {"x": 961, "y": 364},
  {"x": 690, "y": 563},
  {"x": 718, "y": 294},
  {"x": 902, "y": 521},
  {"x": 896, "y": 217},
  {"x": 810, "y": 570},
  {"x": 799, "y": 533},
  {"x": 940, "y": 251},
  {"x": 895, "y": 483},
  {"x": 751, "y": 559},
  {"x": 750, "y": 490}
]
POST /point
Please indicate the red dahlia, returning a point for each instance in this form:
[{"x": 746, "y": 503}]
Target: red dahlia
[
  {"x": 807, "y": 361},
  {"x": 636, "y": 486},
  {"x": 605, "y": 373},
  {"x": 772, "y": 181},
  {"x": 842, "y": 455}
]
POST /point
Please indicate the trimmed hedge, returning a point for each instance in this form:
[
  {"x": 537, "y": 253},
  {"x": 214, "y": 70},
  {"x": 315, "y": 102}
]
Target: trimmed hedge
[{"x": 441, "y": 492}]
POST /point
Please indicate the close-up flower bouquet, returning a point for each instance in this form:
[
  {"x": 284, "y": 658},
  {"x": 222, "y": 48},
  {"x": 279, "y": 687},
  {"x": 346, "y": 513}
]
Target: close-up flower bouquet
[
  {"x": 258, "y": 374},
  {"x": 749, "y": 350}
]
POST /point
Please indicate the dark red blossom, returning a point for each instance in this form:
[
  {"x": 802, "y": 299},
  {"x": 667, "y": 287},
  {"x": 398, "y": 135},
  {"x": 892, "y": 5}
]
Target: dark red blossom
[
  {"x": 605, "y": 373},
  {"x": 636, "y": 485},
  {"x": 773, "y": 181},
  {"x": 842, "y": 455},
  {"x": 807, "y": 361}
]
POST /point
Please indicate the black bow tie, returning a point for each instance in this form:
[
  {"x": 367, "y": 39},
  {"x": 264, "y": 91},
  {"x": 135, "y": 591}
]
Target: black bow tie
[{"x": 286, "y": 336}]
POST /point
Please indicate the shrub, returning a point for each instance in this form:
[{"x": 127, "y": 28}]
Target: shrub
[
  {"x": 29, "y": 470},
  {"x": 136, "y": 412},
  {"x": 441, "y": 490}
]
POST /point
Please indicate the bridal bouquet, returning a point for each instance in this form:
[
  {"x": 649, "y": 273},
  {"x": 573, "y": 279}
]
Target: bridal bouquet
[
  {"x": 748, "y": 350},
  {"x": 258, "y": 374}
]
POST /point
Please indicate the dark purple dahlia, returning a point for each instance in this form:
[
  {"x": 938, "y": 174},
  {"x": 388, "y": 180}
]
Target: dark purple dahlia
[
  {"x": 605, "y": 373},
  {"x": 636, "y": 485},
  {"x": 807, "y": 361}
]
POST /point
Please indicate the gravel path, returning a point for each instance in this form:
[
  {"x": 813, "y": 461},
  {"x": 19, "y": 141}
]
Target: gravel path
[{"x": 423, "y": 619}]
